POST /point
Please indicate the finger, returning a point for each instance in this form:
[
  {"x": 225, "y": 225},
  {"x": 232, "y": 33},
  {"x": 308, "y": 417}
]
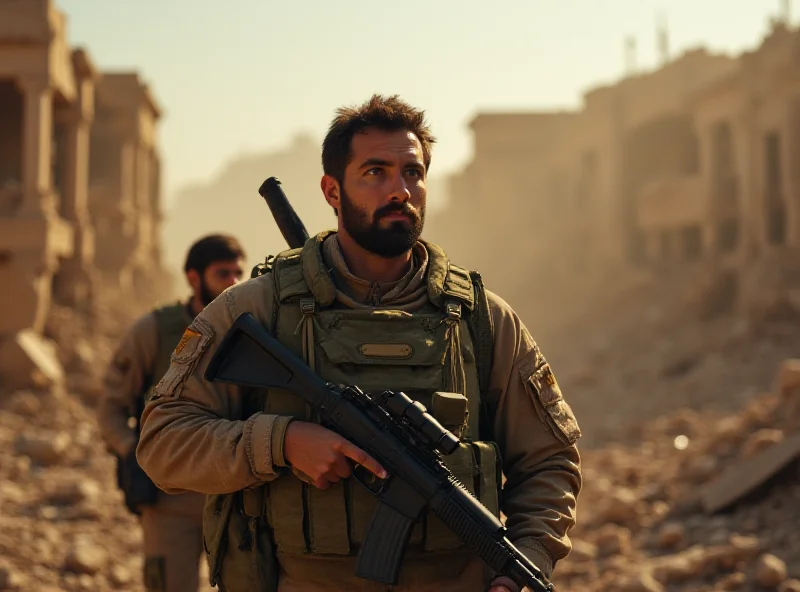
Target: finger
[
  {"x": 321, "y": 483},
  {"x": 503, "y": 584},
  {"x": 331, "y": 477},
  {"x": 362, "y": 458},
  {"x": 342, "y": 467}
]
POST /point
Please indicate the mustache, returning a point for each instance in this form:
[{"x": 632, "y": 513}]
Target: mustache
[{"x": 397, "y": 208}]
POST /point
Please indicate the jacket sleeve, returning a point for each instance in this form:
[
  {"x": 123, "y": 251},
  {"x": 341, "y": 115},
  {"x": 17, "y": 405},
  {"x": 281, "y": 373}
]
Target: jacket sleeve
[
  {"x": 126, "y": 378},
  {"x": 194, "y": 437},
  {"x": 536, "y": 432}
]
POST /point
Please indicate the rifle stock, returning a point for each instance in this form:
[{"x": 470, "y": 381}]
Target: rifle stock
[{"x": 401, "y": 436}]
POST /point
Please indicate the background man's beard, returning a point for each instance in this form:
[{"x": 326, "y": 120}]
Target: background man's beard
[
  {"x": 398, "y": 238},
  {"x": 206, "y": 297}
]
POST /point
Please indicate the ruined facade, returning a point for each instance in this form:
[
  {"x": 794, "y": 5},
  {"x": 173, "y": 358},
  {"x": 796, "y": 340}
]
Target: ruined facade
[
  {"x": 125, "y": 185},
  {"x": 744, "y": 198},
  {"x": 50, "y": 98},
  {"x": 694, "y": 161},
  {"x": 567, "y": 184}
]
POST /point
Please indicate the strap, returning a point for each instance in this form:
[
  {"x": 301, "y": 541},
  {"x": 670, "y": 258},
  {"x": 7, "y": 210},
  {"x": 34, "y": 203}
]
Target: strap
[
  {"x": 457, "y": 284},
  {"x": 481, "y": 327}
]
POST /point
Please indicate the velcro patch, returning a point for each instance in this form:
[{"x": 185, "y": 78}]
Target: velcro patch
[
  {"x": 184, "y": 359},
  {"x": 187, "y": 335},
  {"x": 560, "y": 417}
]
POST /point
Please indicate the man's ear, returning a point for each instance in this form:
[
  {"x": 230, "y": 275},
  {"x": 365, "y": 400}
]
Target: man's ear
[{"x": 331, "y": 191}]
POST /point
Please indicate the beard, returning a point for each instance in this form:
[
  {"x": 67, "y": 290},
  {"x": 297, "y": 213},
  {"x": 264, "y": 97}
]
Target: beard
[
  {"x": 388, "y": 242},
  {"x": 206, "y": 296}
]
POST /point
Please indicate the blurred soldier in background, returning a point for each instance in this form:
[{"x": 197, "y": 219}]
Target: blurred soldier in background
[{"x": 171, "y": 524}]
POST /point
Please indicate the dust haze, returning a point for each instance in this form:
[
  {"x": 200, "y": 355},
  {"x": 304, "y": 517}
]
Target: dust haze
[{"x": 648, "y": 240}]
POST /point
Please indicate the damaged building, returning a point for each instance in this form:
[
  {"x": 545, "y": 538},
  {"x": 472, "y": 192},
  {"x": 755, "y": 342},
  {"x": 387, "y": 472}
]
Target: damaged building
[
  {"x": 692, "y": 161},
  {"x": 79, "y": 185}
]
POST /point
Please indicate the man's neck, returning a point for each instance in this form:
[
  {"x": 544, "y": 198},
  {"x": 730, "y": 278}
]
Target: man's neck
[{"x": 371, "y": 267}]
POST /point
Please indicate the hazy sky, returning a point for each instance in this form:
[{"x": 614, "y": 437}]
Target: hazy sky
[{"x": 248, "y": 76}]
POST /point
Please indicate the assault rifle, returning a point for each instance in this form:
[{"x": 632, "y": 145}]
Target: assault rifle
[{"x": 401, "y": 436}]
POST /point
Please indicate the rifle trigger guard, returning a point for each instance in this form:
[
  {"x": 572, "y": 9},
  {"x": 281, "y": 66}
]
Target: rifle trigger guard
[{"x": 369, "y": 480}]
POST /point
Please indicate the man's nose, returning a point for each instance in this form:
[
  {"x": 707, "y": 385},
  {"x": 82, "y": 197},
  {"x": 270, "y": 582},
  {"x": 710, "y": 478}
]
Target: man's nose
[{"x": 399, "y": 191}]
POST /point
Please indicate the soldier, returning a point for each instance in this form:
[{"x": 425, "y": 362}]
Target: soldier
[
  {"x": 369, "y": 304},
  {"x": 171, "y": 524}
]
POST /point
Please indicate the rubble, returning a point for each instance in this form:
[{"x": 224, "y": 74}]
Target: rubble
[
  {"x": 690, "y": 456},
  {"x": 63, "y": 525},
  {"x": 28, "y": 360},
  {"x": 640, "y": 511}
]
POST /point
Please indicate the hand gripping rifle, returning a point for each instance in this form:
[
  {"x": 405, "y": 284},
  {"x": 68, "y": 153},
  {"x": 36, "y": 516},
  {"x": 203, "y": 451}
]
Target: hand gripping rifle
[{"x": 401, "y": 436}]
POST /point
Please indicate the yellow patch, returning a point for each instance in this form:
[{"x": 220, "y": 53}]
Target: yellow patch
[{"x": 187, "y": 335}]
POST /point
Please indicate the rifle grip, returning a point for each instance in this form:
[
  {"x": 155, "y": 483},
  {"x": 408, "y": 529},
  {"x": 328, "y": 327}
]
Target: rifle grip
[{"x": 384, "y": 545}]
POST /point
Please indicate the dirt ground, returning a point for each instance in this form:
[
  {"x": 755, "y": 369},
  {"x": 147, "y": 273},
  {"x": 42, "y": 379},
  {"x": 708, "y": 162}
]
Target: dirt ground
[{"x": 673, "y": 384}]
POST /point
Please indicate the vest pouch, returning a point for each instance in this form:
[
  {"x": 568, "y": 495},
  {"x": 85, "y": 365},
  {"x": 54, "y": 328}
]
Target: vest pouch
[
  {"x": 478, "y": 467},
  {"x": 379, "y": 349},
  {"x": 490, "y": 480},
  {"x": 464, "y": 467},
  {"x": 375, "y": 350},
  {"x": 239, "y": 549},
  {"x": 450, "y": 410}
]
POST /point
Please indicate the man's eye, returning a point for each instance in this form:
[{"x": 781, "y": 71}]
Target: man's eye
[
  {"x": 374, "y": 171},
  {"x": 414, "y": 172}
]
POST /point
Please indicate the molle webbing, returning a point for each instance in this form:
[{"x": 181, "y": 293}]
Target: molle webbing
[{"x": 349, "y": 346}]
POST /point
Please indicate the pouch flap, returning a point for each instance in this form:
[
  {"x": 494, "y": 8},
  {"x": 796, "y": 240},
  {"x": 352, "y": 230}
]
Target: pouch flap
[{"x": 383, "y": 337}]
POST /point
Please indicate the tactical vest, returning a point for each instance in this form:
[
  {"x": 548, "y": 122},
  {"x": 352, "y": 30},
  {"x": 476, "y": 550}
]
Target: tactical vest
[
  {"x": 138, "y": 489},
  {"x": 429, "y": 354},
  {"x": 171, "y": 322}
]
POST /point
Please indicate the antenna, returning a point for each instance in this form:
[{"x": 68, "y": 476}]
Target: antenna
[
  {"x": 662, "y": 38},
  {"x": 630, "y": 56}
]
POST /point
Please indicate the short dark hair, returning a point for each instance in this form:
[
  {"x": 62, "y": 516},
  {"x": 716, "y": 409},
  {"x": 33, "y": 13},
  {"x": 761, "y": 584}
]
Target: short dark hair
[
  {"x": 210, "y": 249},
  {"x": 385, "y": 113}
]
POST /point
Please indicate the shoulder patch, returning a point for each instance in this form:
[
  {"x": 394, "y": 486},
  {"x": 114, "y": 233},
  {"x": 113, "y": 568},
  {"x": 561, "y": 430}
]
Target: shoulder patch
[
  {"x": 188, "y": 335},
  {"x": 555, "y": 411},
  {"x": 194, "y": 342}
]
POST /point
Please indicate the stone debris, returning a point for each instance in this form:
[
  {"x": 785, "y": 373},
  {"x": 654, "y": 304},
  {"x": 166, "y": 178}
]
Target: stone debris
[{"x": 674, "y": 410}]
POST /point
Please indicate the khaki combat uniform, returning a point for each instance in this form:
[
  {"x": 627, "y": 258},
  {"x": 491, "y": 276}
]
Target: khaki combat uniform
[
  {"x": 171, "y": 528},
  {"x": 196, "y": 437}
]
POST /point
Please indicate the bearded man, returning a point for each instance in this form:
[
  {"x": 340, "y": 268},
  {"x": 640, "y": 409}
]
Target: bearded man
[
  {"x": 370, "y": 304},
  {"x": 171, "y": 524}
]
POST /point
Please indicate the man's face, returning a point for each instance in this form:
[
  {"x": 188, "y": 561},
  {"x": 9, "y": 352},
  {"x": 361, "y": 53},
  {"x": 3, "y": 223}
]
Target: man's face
[
  {"x": 217, "y": 277},
  {"x": 382, "y": 198}
]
